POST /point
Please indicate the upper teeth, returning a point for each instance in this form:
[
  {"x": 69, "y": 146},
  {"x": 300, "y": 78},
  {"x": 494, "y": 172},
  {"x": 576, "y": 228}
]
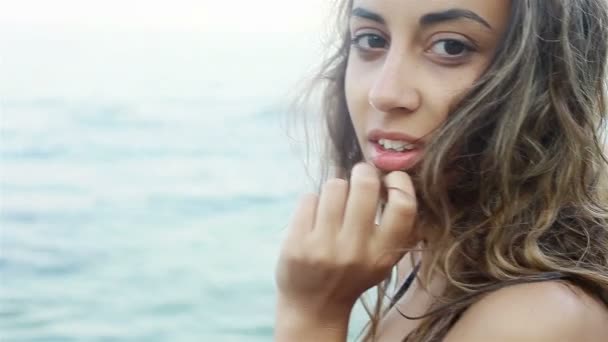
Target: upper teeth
[{"x": 396, "y": 145}]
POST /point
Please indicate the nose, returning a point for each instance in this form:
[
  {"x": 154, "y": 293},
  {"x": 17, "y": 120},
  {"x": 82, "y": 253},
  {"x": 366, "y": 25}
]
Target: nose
[{"x": 394, "y": 89}]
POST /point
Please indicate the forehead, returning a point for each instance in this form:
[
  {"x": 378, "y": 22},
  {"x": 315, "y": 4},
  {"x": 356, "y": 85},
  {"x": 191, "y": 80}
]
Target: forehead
[{"x": 495, "y": 12}]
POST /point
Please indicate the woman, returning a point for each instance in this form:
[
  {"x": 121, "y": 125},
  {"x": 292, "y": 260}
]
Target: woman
[{"x": 479, "y": 124}]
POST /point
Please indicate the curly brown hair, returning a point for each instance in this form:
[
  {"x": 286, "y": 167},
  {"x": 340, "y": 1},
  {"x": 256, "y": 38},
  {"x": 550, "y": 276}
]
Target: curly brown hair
[{"x": 528, "y": 200}]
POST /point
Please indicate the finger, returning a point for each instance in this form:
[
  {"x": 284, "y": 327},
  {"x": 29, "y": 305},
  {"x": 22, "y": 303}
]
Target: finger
[
  {"x": 303, "y": 218},
  {"x": 362, "y": 203},
  {"x": 330, "y": 213},
  {"x": 396, "y": 226}
]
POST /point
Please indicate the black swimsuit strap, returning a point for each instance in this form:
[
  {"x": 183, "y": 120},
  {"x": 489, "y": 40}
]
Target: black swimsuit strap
[{"x": 406, "y": 285}]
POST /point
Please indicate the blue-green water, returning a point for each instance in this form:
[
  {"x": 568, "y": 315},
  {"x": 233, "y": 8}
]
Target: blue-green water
[{"x": 147, "y": 215}]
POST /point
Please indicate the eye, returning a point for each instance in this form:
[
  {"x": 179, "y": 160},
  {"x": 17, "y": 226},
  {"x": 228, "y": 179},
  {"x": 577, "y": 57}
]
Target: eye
[
  {"x": 369, "y": 41},
  {"x": 451, "y": 48}
]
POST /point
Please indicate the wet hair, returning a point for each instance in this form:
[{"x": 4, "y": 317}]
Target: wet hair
[{"x": 527, "y": 200}]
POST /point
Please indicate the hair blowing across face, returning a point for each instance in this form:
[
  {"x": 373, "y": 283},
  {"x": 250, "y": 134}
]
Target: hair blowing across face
[{"x": 511, "y": 188}]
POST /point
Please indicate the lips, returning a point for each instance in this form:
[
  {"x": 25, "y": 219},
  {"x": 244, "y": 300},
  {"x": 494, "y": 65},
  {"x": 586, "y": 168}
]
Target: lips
[{"x": 388, "y": 160}]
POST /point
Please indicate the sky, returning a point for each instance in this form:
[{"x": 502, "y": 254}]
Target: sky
[
  {"x": 155, "y": 15},
  {"x": 117, "y": 48}
]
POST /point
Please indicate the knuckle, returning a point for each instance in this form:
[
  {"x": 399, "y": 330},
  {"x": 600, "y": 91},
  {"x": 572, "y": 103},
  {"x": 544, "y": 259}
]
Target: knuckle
[
  {"x": 349, "y": 262},
  {"x": 314, "y": 259},
  {"x": 321, "y": 258},
  {"x": 291, "y": 257},
  {"x": 319, "y": 251},
  {"x": 350, "y": 255}
]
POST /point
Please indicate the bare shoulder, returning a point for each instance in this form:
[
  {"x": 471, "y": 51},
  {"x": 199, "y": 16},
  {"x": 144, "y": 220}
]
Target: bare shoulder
[{"x": 545, "y": 311}]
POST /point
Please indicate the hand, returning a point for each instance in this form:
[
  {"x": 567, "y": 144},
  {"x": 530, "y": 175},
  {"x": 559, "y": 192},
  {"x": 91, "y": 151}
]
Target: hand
[{"x": 334, "y": 252}]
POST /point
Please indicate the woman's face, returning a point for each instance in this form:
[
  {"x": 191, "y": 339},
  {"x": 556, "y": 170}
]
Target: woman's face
[{"x": 410, "y": 61}]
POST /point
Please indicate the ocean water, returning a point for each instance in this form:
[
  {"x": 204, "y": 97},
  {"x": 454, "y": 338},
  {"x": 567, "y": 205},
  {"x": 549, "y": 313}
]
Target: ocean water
[{"x": 145, "y": 181}]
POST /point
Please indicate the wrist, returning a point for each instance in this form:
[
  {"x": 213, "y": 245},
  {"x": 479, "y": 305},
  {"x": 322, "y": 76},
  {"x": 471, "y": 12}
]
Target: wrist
[{"x": 300, "y": 323}]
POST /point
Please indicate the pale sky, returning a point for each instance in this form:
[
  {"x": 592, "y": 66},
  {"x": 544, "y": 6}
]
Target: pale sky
[
  {"x": 121, "y": 48},
  {"x": 166, "y": 15}
]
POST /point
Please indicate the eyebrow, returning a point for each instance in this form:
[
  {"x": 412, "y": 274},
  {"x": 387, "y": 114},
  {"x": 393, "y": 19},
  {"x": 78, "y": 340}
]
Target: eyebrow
[
  {"x": 427, "y": 19},
  {"x": 366, "y": 14},
  {"x": 452, "y": 14}
]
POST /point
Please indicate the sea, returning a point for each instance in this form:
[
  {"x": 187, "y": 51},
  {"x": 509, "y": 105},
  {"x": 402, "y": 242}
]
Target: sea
[{"x": 146, "y": 182}]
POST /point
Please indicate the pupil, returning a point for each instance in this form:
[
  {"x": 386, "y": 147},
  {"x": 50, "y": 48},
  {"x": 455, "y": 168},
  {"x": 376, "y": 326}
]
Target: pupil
[
  {"x": 453, "y": 47},
  {"x": 375, "y": 42}
]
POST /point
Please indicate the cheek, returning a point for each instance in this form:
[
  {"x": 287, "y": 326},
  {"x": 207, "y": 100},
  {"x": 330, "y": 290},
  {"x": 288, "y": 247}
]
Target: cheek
[
  {"x": 356, "y": 95},
  {"x": 352, "y": 83},
  {"x": 449, "y": 88}
]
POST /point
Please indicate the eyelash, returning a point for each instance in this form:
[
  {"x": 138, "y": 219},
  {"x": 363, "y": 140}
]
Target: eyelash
[{"x": 355, "y": 42}]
